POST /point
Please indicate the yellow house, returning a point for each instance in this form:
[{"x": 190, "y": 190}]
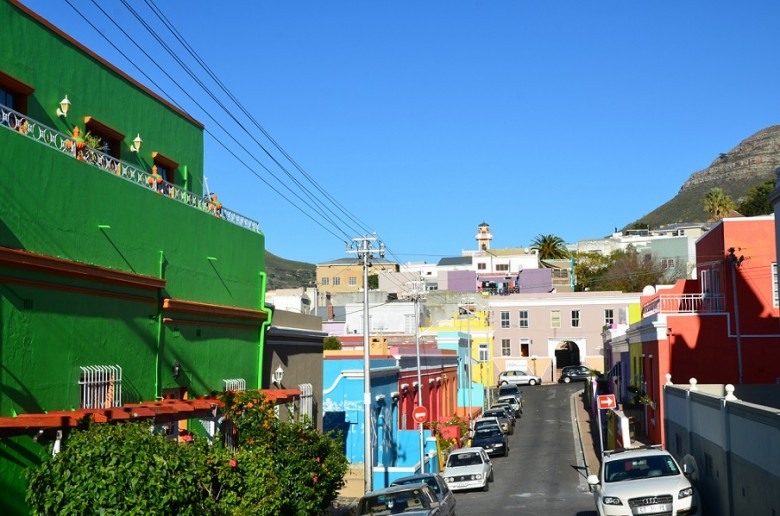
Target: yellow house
[{"x": 346, "y": 274}]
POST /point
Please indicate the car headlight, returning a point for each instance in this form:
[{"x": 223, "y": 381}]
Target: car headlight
[
  {"x": 611, "y": 500},
  {"x": 449, "y": 479},
  {"x": 478, "y": 476},
  {"x": 685, "y": 493}
]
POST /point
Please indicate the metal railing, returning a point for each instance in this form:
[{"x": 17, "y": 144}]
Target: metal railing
[
  {"x": 101, "y": 386},
  {"x": 78, "y": 149},
  {"x": 684, "y": 303}
]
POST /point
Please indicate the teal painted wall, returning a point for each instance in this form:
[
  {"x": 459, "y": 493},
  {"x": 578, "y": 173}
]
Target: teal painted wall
[{"x": 53, "y": 205}]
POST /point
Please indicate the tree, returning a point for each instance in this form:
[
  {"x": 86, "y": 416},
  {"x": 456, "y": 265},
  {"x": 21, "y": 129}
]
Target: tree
[
  {"x": 550, "y": 247},
  {"x": 718, "y": 204},
  {"x": 332, "y": 342},
  {"x": 624, "y": 270},
  {"x": 757, "y": 200}
]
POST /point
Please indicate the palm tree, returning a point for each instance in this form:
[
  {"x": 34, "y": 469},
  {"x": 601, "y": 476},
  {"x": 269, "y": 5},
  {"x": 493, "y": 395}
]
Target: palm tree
[
  {"x": 718, "y": 204},
  {"x": 550, "y": 247}
]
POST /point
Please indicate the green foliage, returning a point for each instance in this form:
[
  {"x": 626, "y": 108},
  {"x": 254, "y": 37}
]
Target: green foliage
[
  {"x": 119, "y": 469},
  {"x": 718, "y": 203},
  {"x": 331, "y": 343},
  {"x": 624, "y": 271},
  {"x": 309, "y": 467},
  {"x": 757, "y": 200},
  {"x": 373, "y": 281},
  {"x": 277, "y": 468},
  {"x": 550, "y": 247}
]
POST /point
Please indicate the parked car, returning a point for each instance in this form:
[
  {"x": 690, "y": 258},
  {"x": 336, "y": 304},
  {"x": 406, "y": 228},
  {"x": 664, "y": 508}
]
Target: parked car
[
  {"x": 412, "y": 499},
  {"x": 468, "y": 468},
  {"x": 503, "y": 418},
  {"x": 510, "y": 388},
  {"x": 492, "y": 440},
  {"x": 487, "y": 421},
  {"x": 437, "y": 485},
  {"x": 576, "y": 373},
  {"x": 507, "y": 408},
  {"x": 643, "y": 481},
  {"x": 518, "y": 377},
  {"x": 512, "y": 401}
]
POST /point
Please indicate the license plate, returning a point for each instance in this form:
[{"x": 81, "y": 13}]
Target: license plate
[{"x": 652, "y": 509}]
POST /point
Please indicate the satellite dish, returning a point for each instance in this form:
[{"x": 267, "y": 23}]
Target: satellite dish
[{"x": 649, "y": 290}]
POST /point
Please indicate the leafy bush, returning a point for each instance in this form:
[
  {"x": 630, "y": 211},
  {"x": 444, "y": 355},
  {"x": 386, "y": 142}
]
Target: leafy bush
[
  {"x": 277, "y": 468},
  {"x": 331, "y": 343}
]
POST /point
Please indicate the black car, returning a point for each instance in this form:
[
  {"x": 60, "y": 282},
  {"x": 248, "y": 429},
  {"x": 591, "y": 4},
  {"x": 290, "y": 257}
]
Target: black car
[
  {"x": 492, "y": 440},
  {"x": 577, "y": 373}
]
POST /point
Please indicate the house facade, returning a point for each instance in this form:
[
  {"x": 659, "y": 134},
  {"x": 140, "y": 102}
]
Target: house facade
[
  {"x": 122, "y": 282},
  {"x": 722, "y": 327}
]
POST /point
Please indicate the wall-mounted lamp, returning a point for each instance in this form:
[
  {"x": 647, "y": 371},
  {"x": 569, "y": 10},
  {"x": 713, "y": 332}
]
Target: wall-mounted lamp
[
  {"x": 136, "y": 146},
  {"x": 405, "y": 387},
  {"x": 278, "y": 376},
  {"x": 415, "y": 385},
  {"x": 176, "y": 369},
  {"x": 380, "y": 398},
  {"x": 394, "y": 395},
  {"x": 64, "y": 107}
]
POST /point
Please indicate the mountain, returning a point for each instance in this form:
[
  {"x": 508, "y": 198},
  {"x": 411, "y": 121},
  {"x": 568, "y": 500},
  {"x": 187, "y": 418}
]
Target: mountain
[
  {"x": 287, "y": 273},
  {"x": 745, "y": 166}
]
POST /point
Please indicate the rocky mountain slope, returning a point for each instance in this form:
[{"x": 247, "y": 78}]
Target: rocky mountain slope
[{"x": 748, "y": 164}]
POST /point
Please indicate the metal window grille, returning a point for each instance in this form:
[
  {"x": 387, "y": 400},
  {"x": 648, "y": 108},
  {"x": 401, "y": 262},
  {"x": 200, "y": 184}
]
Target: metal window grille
[
  {"x": 101, "y": 386},
  {"x": 306, "y": 411},
  {"x": 235, "y": 384}
]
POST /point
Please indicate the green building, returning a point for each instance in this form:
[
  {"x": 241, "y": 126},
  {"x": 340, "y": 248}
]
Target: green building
[{"x": 120, "y": 282}]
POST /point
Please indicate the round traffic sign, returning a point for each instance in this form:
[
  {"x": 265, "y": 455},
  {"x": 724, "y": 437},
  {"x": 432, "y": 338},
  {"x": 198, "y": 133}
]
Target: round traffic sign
[{"x": 420, "y": 414}]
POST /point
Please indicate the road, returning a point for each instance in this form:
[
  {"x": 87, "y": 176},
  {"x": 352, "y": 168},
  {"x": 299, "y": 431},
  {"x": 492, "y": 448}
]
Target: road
[{"x": 544, "y": 473}]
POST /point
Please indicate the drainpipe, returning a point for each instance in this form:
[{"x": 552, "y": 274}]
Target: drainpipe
[
  {"x": 157, "y": 371},
  {"x": 263, "y": 327}
]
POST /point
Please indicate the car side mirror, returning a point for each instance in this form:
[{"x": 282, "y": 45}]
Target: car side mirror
[{"x": 593, "y": 481}]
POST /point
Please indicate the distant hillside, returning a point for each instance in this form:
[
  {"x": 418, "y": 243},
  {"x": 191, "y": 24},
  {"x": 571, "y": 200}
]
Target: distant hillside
[
  {"x": 748, "y": 164},
  {"x": 287, "y": 273}
]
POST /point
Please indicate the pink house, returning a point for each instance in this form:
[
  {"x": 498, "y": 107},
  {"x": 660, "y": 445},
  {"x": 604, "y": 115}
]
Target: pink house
[{"x": 723, "y": 327}]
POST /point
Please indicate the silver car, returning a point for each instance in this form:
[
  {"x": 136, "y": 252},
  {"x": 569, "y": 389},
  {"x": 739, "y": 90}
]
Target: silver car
[
  {"x": 437, "y": 485},
  {"x": 468, "y": 468},
  {"x": 413, "y": 499},
  {"x": 518, "y": 377}
]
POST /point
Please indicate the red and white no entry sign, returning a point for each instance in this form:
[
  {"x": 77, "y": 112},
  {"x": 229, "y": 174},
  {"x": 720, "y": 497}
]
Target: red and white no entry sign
[
  {"x": 420, "y": 414},
  {"x": 607, "y": 401}
]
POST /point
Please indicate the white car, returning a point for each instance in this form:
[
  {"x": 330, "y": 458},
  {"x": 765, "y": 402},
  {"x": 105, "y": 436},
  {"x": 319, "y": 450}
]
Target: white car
[
  {"x": 518, "y": 377},
  {"x": 468, "y": 468},
  {"x": 643, "y": 481}
]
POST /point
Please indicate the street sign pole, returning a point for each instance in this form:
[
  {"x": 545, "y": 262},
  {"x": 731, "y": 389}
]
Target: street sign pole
[{"x": 603, "y": 402}]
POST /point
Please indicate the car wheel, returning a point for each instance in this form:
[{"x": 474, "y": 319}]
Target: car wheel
[
  {"x": 567, "y": 380},
  {"x": 486, "y": 487},
  {"x": 503, "y": 383},
  {"x": 532, "y": 383},
  {"x": 506, "y": 451},
  {"x": 490, "y": 478}
]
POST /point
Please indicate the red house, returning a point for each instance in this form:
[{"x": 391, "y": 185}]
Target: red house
[{"x": 722, "y": 327}]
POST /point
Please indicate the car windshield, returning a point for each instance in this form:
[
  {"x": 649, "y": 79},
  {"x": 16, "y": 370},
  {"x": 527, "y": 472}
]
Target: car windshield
[
  {"x": 457, "y": 460},
  {"x": 487, "y": 431},
  {"x": 495, "y": 413},
  {"x": 618, "y": 470},
  {"x": 427, "y": 480},
  {"x": 393, "y": 503}
]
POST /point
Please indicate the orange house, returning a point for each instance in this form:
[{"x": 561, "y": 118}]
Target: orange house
[{"x": 722, "y": 327}]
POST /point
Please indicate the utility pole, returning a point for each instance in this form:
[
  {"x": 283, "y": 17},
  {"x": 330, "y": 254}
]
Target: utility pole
[
  {"x": 735, "y": 263},
  {"x": 470, "y": 313},
  {"x": 415, "y": 294},
  {"x": 363, "y": 247}
]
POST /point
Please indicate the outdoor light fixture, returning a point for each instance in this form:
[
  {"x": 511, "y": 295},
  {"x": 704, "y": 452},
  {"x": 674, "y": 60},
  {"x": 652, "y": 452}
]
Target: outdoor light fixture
[
  {"x": 278, "y": 376},
  {"x": 176, "y": 369},
  {"x": 64, "y": 107},
  {"x": 136, "y": 146}
]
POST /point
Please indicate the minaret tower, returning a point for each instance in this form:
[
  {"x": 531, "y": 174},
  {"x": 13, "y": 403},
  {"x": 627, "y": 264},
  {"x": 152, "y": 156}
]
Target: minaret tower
[{"x": 483, "y": 237}]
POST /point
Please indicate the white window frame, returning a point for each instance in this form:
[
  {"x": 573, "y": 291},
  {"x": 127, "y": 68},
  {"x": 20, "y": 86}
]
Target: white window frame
[
  {"x": 525, "y": 343},
  {"x": 506, "y": 347},
  {"x": 555, "y": 318},
  {"x": 523, "y": 319},
  {"x": 575, "y": 318},
  {"x": 609, "y": 316}
]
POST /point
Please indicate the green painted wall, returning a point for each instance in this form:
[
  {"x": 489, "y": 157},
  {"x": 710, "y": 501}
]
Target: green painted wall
[{"x": 55, "y": 205}]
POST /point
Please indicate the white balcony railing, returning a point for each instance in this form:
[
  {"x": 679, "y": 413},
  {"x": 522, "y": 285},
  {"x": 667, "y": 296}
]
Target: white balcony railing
[
  {"x": 15, "y": 121},
  {"x": 684, "y": 303}
]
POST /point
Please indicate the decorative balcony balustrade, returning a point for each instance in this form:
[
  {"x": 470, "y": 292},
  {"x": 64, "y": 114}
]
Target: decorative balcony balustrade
[
  {"x": 684, "y": 303},
  {"x": 77, "y": 148}
]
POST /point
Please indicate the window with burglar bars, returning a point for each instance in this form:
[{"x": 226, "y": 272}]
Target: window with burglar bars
[
  {"x": 229, "y": 430},
  {"x": 100, "y": 386}
]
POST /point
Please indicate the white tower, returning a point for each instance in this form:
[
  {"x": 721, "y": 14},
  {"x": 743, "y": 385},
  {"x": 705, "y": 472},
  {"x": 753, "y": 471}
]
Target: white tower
[{"x": 483, "y": 237}]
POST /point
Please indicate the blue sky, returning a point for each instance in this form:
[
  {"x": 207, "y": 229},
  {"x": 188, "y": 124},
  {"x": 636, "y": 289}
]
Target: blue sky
[{"x": 423, "y": 119}]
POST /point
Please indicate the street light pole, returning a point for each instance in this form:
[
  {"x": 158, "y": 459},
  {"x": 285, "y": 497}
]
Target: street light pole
[
  {"x": 416, "y": 295},
  {"x": 363, "y": 247}
]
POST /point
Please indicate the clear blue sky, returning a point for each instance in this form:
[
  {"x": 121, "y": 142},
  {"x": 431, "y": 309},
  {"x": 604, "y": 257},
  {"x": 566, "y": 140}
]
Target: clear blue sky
[{"x": 424, "y": 119}]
